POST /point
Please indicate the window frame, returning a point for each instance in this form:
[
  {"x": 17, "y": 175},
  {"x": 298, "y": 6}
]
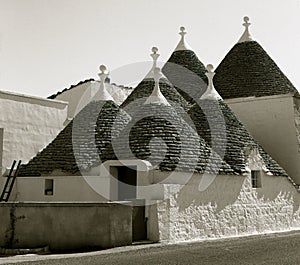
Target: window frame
[
  {"x": 256, "y": 179},
  {"x": 49, "y": 187}
]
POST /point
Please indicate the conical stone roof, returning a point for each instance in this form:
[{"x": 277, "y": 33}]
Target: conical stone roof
[
  {"x": 80, "y": 144},
  {"x": 186, "y": 72},
  {"x": 158, "y": 134},
  {"x": 219, "y": 127},
  {"x": 145, "y": 88},
  {"x": 248, "y": 71}
]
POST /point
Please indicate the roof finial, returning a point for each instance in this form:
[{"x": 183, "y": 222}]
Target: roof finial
[
  {"x": 156, "y": 96},
  {"x": 104, "y": 73},
  {"x": 154, "y": 56},
  {"x": 246, "y": 35},
  {"x": 210, "y": 93},
  {"x": 103, "y": 94},
  {"x": 182, "y": 45}
]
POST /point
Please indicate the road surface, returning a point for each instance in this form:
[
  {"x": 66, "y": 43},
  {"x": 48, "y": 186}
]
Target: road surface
[{"x": 281, "y": 248}]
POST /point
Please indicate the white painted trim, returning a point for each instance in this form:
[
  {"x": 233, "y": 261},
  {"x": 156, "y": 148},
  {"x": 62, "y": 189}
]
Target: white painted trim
[
  {"x": 247, "y": 99},
  {"x": 32, "y": 99}
]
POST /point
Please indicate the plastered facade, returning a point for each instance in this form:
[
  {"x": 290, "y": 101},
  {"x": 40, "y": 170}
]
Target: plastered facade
[
  {"x": 230, "y": 206},
  {"x": 65, "y": 226},
  {"x": 235, "y": 209},
  {"x": 27, "y": 125},
  {"x": 272, "y": 121},
  {"x": 79, "y": 96},
  {"x": 177, "y": 210}
]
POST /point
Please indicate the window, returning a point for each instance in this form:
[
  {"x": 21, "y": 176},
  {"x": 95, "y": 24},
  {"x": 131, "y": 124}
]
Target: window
[
  {"x": 49, "y": 187},
  {"x": 256, "y": 179}
]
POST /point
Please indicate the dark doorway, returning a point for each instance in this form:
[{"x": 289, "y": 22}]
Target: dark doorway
[
  {"x": 127, "y": 190},
  {"x": 127, "y": 181},
  {"x": 139, "y": 221}
]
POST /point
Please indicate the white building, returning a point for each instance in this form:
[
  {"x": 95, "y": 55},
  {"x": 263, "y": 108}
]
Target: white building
[
  {"x": 182, "y": 156},
  {"x": 264, "y": 99},
  {"x": 78, "y": 96},
  {"x": 27, "y": 125}
]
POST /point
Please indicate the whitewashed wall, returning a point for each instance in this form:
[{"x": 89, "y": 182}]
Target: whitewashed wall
[
  {"x": 80, "y": 95},
  {"x": 180, "y": 212},
  {"x": 65, "y": 189},
  {"x": 271, "y": 121},
  {"x": 229, "y": 207},
  {"x": 177, "y": 210},
  {"x": 29, "y": 124}
]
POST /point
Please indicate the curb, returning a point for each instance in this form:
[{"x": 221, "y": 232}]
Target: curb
[{"x": 23, "y": 251}]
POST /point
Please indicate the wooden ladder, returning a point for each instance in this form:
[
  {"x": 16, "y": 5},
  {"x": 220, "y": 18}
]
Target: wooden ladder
[{"x": 9, "y": 184}]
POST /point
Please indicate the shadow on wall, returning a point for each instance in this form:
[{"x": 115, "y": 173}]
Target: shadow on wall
[{"x": 223, "y": 191}]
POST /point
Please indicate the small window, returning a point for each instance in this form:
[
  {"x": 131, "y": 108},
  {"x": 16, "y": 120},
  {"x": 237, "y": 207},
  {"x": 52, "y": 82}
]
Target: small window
[
  {"x": 49, "y": 187},
  {"x": 256, "y": 179}
]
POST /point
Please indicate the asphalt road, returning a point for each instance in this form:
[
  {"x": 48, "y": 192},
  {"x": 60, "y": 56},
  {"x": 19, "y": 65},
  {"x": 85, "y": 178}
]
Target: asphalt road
[{"x": 282, "y": 248}]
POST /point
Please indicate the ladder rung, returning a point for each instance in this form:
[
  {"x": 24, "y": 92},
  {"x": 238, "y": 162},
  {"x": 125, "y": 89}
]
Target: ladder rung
[{"x": 10, "y": 181}]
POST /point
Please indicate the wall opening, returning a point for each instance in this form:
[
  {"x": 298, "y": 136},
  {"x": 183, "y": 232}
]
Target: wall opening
[
  {"x": 256, "y": 179},
  {"x": 49, "y": 187},
  {"x": 127, "y": 182},
  {"x": 124, "y": 188}
]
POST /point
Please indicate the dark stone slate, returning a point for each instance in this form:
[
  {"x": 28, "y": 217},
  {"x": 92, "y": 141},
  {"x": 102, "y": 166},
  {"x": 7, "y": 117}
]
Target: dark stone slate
[
  {"x": 158, "y": 134},
  {"x": 144, "y": 89},
  {"x": 247, "y": 70},
  {"x": 187, "y": 73},
  {"x": 219, "y": 127},
  {"x": 80, "y": 144}
]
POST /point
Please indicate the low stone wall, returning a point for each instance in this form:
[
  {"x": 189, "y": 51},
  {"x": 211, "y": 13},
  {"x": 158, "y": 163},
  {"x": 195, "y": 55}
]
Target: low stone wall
[{"x": 65, "y": 226}]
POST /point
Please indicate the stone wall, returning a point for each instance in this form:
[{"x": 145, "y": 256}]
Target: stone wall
[
  {"x": 228, "y": 207},
  {"x": 65, "y": 226}
]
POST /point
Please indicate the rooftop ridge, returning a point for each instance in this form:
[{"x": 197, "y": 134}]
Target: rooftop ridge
[{"x": 53, "y": 96}]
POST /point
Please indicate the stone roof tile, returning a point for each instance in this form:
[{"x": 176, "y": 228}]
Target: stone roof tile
[
  {"x": 145, "y": 88},
  {"x": 187, "y": 73},
  {"x": 247, "y": 71},
  {"x": 219, "y": 127},
  {"x": 159, "y": 135},
  {"x": 80, "y": 144}
]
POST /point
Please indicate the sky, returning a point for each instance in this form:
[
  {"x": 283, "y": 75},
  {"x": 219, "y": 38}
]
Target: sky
[{"x": 48, "y": 45}]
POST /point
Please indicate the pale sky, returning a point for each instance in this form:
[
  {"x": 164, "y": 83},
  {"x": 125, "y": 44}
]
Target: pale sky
[{"x": 47, "y": 45}]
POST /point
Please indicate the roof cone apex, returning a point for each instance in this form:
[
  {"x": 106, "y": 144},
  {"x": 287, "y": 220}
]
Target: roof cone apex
[
  {"x": 246, "y": 35},
  {"x": 182, "y": 45},
  {"x": 156, "y": 96},
  {"x": 103, "y": 94},
  {"x": 210, "y": 93}
]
